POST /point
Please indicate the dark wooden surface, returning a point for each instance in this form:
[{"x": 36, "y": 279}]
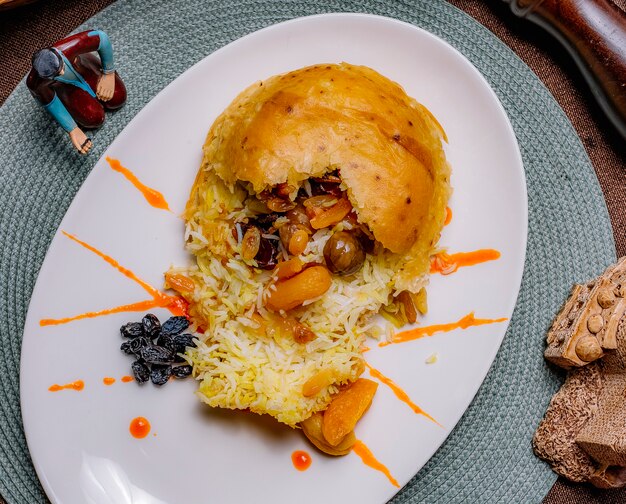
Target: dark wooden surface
[{"x": 594, "y": 33}]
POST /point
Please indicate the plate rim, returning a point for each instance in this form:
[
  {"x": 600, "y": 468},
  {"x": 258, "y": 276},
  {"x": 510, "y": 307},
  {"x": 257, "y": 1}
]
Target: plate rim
[{"x": 159, "y": 96}]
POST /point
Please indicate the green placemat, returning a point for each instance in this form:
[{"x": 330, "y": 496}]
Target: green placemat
[{"x": 488, "y": 456}]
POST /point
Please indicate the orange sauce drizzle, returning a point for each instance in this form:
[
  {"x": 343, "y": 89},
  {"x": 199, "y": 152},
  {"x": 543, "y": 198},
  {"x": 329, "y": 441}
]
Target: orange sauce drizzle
[
  {"x": 108, "y": 381},
  {"x": 139, "y": 427},
  {"x": 419, "y": 332},
  {"x": 400, "y": 394},
  {"x": 447, "y": 264},
  {"x": 127, "y": 379},
  {"x": 78, "y": 385},
  {"x": 448, "y": 216},
  {"x": 153, "y": 197},
  {"x": 368, "y": 459},
  {"x": 139, "y": 307},
  {"x": 301, "y": 460},
  {"x": 176, "y": 305}
]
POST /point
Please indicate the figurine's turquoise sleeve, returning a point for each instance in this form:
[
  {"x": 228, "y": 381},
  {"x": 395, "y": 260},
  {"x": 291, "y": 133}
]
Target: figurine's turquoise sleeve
[
  {"x": 60, "y": 113},
  {"x": 105, "y": 50}
]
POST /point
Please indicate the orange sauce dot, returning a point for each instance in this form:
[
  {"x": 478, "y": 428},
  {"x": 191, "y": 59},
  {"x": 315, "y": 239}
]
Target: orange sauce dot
[
  {"x": 448, "y": 216},
  {"x": 78, "y": 385},
  {"x": 301, "y": 460},
  {"x": 108, "y": 381},
  {"x": 127, "y": 379},
  {"x": 139, "y": 427}
]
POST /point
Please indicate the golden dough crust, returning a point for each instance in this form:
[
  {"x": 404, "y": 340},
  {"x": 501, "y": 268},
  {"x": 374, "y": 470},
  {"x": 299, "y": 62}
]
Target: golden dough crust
[{"x": 305, "y": 123}]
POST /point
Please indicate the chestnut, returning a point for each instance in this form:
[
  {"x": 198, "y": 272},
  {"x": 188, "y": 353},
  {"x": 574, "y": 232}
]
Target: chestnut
[{"x": 343, "y": 253}]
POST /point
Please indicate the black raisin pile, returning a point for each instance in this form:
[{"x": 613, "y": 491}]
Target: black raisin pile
[{"x": 157, "y": 347}]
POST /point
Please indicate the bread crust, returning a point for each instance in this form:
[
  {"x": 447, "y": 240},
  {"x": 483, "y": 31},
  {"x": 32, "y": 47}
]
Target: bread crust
[{"x": 305, "y": 123}]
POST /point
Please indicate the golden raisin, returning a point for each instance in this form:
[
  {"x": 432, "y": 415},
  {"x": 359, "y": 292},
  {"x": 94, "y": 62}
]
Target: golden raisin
[
  {"x": 410, "y": 310},
  {"x": 180, "y": 283},
  {"x": 250, "y": 243},
  {"x": 298, "y": 242}
]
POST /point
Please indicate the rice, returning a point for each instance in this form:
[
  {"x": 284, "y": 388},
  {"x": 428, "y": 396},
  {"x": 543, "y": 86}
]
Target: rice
[{"x": 245, "y": 364}]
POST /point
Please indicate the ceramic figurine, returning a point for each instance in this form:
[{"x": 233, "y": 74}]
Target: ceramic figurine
[
  {"x": 75, "y": 86},
  {"x": 583, "y": 434}
]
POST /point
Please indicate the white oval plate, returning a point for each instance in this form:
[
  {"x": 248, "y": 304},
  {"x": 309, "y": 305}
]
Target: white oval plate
[{"x": 80, "y": 441}]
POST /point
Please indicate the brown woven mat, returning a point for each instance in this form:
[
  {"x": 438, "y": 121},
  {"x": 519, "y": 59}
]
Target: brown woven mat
[{"x": 26, "y": 29}]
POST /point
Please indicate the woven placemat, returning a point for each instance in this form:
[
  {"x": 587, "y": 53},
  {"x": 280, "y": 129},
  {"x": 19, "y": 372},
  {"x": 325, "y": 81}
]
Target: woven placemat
[{"x": 488, "y": 457}]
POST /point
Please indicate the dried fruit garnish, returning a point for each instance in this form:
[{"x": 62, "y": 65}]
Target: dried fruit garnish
[
  {"x": 251, "y": 243},
  {"x": 140, "y": 371},
  {"x": 151, "y": 325},
  {"x": 346, "y": 408},
  {"x": 137, "y": 344},
  {"x": 181, "y": 341},
  {"x": 182, "y": 371},
  {"x": 175, "y": 325},
  {"x": 156, "y": 360},
  {"x": 266, "y": 254},
  {"x": 126, "y": 348},
  {"x": 308, "y": 284},
  {"x": 156, "y": 355},
  {"x": 132, "y": 330},
  {"x": 160, "y": 374}
]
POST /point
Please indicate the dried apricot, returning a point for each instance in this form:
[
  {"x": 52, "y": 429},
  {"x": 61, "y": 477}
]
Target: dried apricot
[
  {"x": 309, "y": 284},
  {"x": 318, "y": 381},
  {"x": 287, "y": 269},
  {"x": 332, "y": 215},
  {"x": 312, "y": 428},
  {"x": 346, "y": 409}
]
